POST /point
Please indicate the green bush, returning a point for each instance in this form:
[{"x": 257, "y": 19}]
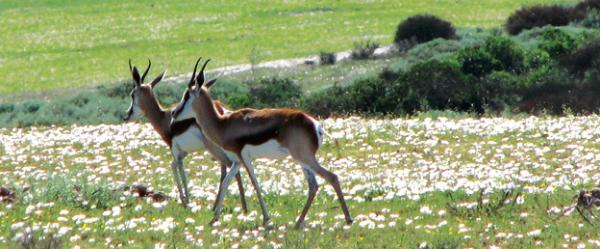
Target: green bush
[
  {"x": 371, "y": 95},
  {"x": 326, "y": 102},
  {"x": 437, "y": 85},
  {"x": 499, "y": 90},
  {"x": 537, "y": 58},
  {"x": 434, "y": 48},
  {"x": 477, "y": 61},
  {"x": 7, "y": 107},
  {"x": 121, "y": 90},
  {"x": 546, "y": 77},
  {"x": 31, "y": 106},
  {"x": 233, "y": 93},
  {"x": 506, "y": 52},
  {"x": 557, "y": 42},
  {"x": 274, "y": 92}
]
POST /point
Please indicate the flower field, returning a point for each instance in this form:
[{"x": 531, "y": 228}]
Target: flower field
[{"x": 421, "y": 182}]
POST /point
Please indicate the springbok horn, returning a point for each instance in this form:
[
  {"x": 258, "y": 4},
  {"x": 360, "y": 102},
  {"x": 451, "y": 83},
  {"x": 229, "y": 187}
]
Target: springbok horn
[
  {"x": 194, "y": 73},
  {"x": 200, "y": 79},
  {"x": 130, "y": 69},
  {"x": 146, "y": 72}
]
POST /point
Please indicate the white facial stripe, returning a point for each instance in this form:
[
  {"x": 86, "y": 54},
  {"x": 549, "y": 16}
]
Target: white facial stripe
[{"x": 186, "y": 112}]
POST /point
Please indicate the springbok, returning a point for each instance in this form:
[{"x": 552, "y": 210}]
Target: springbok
[
  {"x": 182, "y": 137},
  {"x": 268, "y": 133}
]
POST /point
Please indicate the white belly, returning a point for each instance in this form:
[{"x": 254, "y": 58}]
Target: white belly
[
  {"x": 190, "y": 141},
  {"x": 270, "y": 149}
]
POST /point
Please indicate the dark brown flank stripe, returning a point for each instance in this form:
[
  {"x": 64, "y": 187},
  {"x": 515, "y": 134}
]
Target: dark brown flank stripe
[
  {"x": 261, "y": 136},
  {"x": 273, "y": 126},
  {"x": 182, "y": 126}
]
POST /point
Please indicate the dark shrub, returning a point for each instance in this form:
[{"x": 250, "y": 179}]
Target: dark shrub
[
  {"x": 32, "y": 106},
  {"x": 327, "y": 58},
  {"x": 587, "y": 5},
  {"x": 506, "y": 52},
  {"x": 477, "y": 61},
  {"x": 423, "y": 28},
  {"x": 557, "y": 42},
  {"x": 584, "y": 58},
  {"x": 326, "y": 102},
  {"x": 7, "y": 107},
  {"x": 591, "y": 19},
  {"x": 388, "y": 74},
  {"x": 538, "y": 16},
  {"x": 437, "y": 85},
  {"x": 363, "y": 50},
  {"x": 499, "y": 90},
  {"x": 80, "y": 100},
  {"x": 551, "y": 90},
  {"x": 121, "y": 89},
  {"x": 367, "y": 95},
  {"x": 275, "y": 92}
]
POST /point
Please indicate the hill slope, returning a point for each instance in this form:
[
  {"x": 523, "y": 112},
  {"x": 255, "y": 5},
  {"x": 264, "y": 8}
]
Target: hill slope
[{"x": 65, "y": 44}]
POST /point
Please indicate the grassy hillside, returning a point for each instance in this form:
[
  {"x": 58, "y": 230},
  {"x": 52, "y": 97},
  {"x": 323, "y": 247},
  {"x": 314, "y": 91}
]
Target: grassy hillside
[{"x": 66, "y": 44}]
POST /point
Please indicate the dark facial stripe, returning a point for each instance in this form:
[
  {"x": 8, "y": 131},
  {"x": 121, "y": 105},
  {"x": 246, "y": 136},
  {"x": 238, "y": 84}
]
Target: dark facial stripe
[{"x": 178, "y": 110}]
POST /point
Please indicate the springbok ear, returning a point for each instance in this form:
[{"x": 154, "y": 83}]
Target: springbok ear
[
  {"x": 157, "y": 79},
  {"x": 210, "y": 83},
  {"x": 136, "y": 76}
]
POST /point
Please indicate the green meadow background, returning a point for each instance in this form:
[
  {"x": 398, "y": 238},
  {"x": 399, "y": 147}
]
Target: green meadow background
[{"x": 62, "y": 45}]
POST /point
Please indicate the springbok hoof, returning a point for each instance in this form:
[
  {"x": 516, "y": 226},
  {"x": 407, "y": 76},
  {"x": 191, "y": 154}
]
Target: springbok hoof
[
  {"x": 299, "y": 225},
  {"x": 267, "y": 223},
  {"x": 349, "y": 221},
  {"x": 213, "y": 221},
  {"x": 184, "y": 203}
]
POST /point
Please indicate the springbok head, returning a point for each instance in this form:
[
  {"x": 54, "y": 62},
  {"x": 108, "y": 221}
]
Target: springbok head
[
  {"x": 141, "y": 92},
  {"x": 197, "y": 84}
]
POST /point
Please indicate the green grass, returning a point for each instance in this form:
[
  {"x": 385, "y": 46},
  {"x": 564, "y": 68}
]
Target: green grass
[
  {"x": 73, "y": 44},
  {"x": 391, "y": 170}
]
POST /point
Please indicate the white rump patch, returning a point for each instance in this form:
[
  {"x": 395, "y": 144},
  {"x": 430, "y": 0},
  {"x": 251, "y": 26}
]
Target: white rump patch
[{"x": 318, "y": 130}]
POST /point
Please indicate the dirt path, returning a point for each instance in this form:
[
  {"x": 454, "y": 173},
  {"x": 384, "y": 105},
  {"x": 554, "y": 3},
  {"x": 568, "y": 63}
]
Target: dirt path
[{"x": 284, "y": 63}]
